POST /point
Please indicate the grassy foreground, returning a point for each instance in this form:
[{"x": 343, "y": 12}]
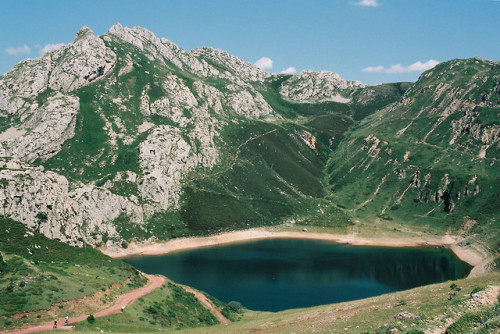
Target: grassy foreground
[
  {"x": 458, "y": 307},
  {"x": 41, "y": 278}
]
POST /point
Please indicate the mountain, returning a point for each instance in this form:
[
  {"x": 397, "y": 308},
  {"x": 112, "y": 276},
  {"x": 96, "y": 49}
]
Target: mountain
[
  {"x": 431, "y": 159},
  {"x": 127, "y": 137}
]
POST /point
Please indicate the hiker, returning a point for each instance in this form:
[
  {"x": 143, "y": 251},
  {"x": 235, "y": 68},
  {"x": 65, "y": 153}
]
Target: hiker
[
  {"x": 55, "y": 324},
  {"x": 123, "y": 308},
  {"x": 66, "y": 320}
]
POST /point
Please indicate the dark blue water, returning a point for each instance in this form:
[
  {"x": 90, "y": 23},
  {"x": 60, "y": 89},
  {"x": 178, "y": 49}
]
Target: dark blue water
[{"x": 279, "y": 274}]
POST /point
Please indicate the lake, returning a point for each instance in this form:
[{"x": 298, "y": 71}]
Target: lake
[{"x": 279, "y": 274}]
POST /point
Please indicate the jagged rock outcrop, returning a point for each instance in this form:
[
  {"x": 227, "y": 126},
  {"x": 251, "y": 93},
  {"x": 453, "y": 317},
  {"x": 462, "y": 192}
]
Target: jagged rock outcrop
[
  {"x": 45, "y": 131},
  {"x": 42, "y": 200},
  {"x": 166, "y": 157},
  {"x": 236, "y": 66},
  {"x": 161, "y": 49},
  {"x": 66, "y": 68},
  {"x": 44, "y": 124},
  {"x": 318, "y": 86}
]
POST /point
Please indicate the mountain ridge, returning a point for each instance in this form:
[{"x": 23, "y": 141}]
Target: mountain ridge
[{"x": 128, "y": 137}]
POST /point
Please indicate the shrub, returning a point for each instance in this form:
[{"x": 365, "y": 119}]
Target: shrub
[
  {"x": 401, "y": 302},
  {"x": 235, "y": 306},
  {"x": 91, "y": 319},
  {"x": 42, "y": 215},
  {"x": 476, "y": 289}
]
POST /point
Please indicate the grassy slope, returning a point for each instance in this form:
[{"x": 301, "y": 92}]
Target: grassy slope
[
  {"x": 169, "y": 307},
  {"x": 437, "y": 306},
  {"x": 37, "y": 273},
  {"x": 395, "y": 201}
]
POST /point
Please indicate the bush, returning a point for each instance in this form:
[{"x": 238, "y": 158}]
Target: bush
[
  {"x": 91, "y": 319},
  {"x": 42, "y": 215},
  {"x": 476, "y": 289},
  {"x": 235, "y": 306}
]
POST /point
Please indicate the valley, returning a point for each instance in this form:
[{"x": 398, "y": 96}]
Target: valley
[{"x": 128, "y": 144}]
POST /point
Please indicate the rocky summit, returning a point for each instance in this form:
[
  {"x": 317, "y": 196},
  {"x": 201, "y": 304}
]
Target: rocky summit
[{"x": 127, "y": 137}]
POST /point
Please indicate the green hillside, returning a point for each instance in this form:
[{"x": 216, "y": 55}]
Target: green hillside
[{"x": 429, "y": 160}]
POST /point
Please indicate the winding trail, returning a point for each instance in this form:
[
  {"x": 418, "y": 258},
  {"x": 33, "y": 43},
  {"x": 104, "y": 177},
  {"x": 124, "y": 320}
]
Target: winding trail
[
  {"x": 124, "y": 300},
  {"x": 235, "y": 158},
  {"x": 208, "y": 304}
]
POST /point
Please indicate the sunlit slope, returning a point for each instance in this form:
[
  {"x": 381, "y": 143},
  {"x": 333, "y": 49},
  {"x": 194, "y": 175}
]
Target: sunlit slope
[{"x": 430, "y": 160}]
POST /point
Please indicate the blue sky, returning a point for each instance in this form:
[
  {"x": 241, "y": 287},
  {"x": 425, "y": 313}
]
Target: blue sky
[{"x": 371, "y": 41}]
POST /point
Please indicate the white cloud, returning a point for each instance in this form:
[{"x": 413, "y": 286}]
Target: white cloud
[
  {"x": 398, "y": 68},
  {"x": 264, "y": 63},
  {"x": 290, "y": 70},
  {"x": 18, "y": 51},
  {"x": 368, "y": 3},
  {"x": 49, "y": 47}
]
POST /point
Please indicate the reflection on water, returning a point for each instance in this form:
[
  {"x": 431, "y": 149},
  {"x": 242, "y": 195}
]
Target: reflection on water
[{"x": 278, "y": 274}]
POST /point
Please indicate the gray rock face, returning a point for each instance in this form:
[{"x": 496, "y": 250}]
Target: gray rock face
[
  {"x": 237, "y": 67},
  {"x": 44, "y": 133},
  {"x": 162, "y": 49},
  {"x": 42, "y": 200},
  {"x": 318, "y": 86},
  {"x": 81, "y": 62},
  {"x": 66, "y": 68},
  {"x": 45, "y": 128}
]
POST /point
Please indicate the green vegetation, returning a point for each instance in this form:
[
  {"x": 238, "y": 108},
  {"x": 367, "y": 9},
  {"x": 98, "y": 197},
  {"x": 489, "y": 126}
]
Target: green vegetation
[
  {"x": 406, "y": 163},
  {"x": 169, "y": 307},
  {"x": 37, "y": 273}
]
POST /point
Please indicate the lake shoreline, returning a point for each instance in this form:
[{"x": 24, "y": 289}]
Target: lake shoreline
[{"x": 165, "y": 247}]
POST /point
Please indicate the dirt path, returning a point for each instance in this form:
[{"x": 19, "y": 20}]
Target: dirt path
[
  {"x": 235, "y": 158},
  {"x": 124, "y": 300},
  {"x": 208, "y": 304}
]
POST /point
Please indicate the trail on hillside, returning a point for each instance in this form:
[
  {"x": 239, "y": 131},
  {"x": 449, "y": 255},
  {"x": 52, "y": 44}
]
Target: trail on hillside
[
  {"x": 208, "y": 304},
  {"x": 124, "y": 300},
  {"x": 234, "y": 160}
]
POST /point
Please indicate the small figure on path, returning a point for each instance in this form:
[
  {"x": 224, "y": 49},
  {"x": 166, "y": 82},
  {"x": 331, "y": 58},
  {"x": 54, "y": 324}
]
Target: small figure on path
[
  {"x": 55, "y": 324},
  {"x": 123, "y": 308},
  {"x": 66, "y": 320}
]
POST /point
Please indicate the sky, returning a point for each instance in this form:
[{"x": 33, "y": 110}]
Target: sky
[{"x": 372, "y": 41}]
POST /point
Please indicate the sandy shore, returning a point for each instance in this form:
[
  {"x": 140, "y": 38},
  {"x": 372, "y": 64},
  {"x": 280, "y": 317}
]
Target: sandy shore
[{"x": 134, "y": 249}]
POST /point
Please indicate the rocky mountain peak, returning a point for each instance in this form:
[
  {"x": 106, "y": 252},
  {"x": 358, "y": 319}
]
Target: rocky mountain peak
[
  {"x": 84, "y": 30},
  {"x": 319, "y": 86},
  {"x": 235, "y": 65}
]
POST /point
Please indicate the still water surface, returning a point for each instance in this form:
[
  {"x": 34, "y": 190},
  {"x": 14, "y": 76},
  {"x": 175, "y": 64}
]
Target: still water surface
[{"x": 279, "y": 274}]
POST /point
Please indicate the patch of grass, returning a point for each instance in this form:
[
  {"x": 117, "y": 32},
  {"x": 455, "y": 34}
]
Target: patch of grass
[
  {"x": 169, "y": 307},
  {"x": 37, "y": 272}
]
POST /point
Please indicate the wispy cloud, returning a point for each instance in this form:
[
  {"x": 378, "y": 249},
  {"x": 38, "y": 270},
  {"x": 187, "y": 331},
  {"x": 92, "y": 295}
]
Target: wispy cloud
[
  {"x": 367, "y": 3},
  {"x": 264, "y": 63},
  {"x": 15, "y": 51},
  {"x": 398, "y": 68},
  {"x": 290, "y": 70},
  {"x": 49, "y": 47}
]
